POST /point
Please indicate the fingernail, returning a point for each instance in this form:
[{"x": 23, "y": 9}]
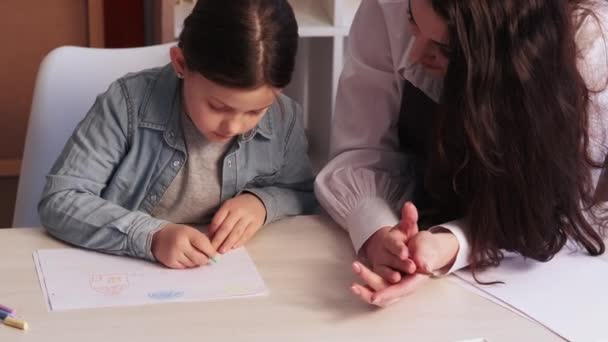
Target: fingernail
[
  {"x": 355, "y": 290},
  {"x": 376, "y": 300},
  {"x": 396, "y": 278},
  {"x": 356, "y": 267}
]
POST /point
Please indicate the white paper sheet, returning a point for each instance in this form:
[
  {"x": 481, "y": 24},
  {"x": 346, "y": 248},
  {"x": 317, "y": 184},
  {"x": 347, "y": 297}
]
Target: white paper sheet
[
  {"x": 468, "y": 286},
  {"x": 568, "y": 295},
  {"x": 78, "y": 279}
]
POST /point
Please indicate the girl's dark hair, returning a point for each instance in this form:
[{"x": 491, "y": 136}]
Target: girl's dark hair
[
  {"x": 241, "y": 43},
  {"x": 511, "y": 143}
]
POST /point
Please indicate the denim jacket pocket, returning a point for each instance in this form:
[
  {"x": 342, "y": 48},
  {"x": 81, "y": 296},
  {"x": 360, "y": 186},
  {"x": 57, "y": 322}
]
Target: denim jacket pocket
[{"x": 263, "y": 180}]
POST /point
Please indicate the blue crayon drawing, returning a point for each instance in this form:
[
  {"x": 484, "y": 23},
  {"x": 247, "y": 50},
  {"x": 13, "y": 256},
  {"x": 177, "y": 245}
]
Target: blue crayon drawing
[{"x": 166, "y": 295}]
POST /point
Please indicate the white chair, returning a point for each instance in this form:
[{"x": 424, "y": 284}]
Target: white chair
[{"x": 69, "y": 79}]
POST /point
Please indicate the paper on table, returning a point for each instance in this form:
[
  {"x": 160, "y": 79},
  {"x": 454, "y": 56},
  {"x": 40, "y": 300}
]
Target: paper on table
[
  {"x": 567, "y": 294},
  {"x": 472, "y": 288},
  {"x": 77, "y": 279}
]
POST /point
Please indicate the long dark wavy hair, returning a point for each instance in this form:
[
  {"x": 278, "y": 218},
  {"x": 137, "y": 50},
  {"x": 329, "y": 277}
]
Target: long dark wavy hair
[{"x": 510, "y": 152}]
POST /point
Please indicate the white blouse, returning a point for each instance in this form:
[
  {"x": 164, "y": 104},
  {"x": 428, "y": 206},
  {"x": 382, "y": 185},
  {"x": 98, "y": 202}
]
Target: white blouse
[{"x": 368, "y": 177}]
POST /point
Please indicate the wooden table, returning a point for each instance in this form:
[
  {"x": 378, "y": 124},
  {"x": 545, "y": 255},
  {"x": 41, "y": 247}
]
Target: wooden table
[{"x": 305, "y": 262}]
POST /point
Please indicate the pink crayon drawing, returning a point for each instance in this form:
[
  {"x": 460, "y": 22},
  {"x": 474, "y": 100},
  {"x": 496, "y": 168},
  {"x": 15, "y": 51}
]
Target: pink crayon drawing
[{"x": 109, "y": 284}]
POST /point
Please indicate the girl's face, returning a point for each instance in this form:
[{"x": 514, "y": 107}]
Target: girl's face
[
  {"x": 221, "y": 113},
  {"x": 430, "y": 48}
]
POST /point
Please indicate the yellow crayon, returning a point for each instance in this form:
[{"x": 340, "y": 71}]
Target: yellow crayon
[{"x": 15, "y": 323}]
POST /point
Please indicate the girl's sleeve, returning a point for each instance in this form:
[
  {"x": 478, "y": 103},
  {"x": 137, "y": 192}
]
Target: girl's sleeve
[
  {"x": 292, "y": 192},
  {"x": 71, "y": 207}
]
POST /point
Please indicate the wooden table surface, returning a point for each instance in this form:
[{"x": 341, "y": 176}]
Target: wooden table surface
[{"x": 305, "y": 262}]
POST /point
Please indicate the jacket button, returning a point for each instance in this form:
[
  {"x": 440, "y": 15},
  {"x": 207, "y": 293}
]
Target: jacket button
[
  {"x": 177, "y": 163},
  {"x": 153, "y": 198}
]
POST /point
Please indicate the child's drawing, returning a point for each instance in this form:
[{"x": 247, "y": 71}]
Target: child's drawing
[
  {"x": 109, "y": 284},
  {"x": 76, "y": 279},
  {"x": 166, "y": 295}
]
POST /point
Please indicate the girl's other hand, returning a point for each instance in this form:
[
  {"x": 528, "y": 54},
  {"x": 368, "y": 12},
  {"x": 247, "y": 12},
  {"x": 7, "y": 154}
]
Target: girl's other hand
[{"x": 237, "y": 220}]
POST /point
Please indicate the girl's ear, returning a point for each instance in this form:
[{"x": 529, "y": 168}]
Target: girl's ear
[{"x": 178, "y": 61}]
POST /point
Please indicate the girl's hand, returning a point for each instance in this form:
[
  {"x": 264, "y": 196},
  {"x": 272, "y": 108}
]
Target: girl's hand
[
  {"x": 236, "y": 221},
  {"x": 179, "y": 246}
]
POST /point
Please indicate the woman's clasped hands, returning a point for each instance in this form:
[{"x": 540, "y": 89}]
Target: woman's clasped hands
[{"x": 401, "y": 258}]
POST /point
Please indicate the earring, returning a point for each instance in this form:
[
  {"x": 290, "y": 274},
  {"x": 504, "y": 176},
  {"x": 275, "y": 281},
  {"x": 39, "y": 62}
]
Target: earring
[{"x": 180, "y": 75}]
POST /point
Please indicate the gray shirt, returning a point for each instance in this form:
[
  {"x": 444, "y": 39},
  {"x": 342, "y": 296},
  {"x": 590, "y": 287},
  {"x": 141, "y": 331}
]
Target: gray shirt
[{"x": 195, "y": 193}]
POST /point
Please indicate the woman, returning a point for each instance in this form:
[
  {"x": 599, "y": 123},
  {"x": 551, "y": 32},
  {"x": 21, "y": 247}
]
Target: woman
[{"x": 489, "y": 116}]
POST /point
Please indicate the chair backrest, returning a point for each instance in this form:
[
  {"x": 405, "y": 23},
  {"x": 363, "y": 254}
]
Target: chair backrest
[{"x": 69, "y": 79}]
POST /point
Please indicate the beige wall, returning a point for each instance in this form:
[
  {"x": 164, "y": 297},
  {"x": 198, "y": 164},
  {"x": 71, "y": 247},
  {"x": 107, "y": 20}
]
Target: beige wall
[{"x": 28, "y": 31}]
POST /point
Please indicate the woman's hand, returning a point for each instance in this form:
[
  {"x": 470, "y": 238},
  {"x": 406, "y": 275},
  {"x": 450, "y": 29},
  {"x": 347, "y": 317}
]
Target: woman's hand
[
  {"x": 401, "y": 259},
  {"x": 179, "y": 246},
  {"x": 429, "y": 251},
  {"x": 387, "y": 250},
  {"x": 432, "y": 252},
  {"x": 388, "y": 254},
  {"x": 237, "y": 220},
  {"x": 377, "y": 291}
]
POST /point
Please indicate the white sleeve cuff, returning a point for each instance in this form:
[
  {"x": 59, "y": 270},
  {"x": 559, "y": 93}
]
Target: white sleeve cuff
[
  {"x": 368, "y": 217},
  {"x": 456, "y": 227}
]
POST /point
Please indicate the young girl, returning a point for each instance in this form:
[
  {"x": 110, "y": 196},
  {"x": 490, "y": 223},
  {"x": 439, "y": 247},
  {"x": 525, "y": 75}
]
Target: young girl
[
  {"x": 491, "y": 116},
  {"x": 208, "y": 139}
]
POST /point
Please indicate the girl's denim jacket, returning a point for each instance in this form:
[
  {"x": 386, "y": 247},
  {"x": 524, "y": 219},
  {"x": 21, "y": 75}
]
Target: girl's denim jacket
[{"x": 122, "y": 157}]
